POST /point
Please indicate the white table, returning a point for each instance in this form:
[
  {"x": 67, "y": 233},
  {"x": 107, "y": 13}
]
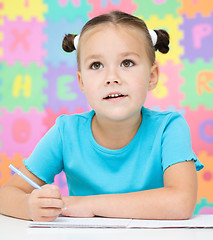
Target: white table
[{"x": 16, "y": 229}]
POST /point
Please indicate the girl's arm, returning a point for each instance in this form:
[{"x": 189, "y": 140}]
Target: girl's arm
[
  {"x": 19, "y": 199},
  {"x": 176, "y": 200}
]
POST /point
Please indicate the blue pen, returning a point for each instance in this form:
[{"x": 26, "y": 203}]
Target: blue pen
[{"x": 31, "y": 182}]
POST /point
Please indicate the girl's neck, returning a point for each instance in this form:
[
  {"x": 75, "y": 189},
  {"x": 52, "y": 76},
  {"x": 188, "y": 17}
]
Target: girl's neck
[{"x": 115, "y": 134}]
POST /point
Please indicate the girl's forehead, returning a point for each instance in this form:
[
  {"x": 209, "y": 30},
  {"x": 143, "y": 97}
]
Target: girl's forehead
[
  {"x": 113, "y": 39},
  {"x": 104, "y": 32},
  {"x": 113, "y": 26}
]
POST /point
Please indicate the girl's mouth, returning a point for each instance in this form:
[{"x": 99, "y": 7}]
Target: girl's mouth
[
  {"x": 117, "y": 97},
  {"x": 110, "y": 96}
]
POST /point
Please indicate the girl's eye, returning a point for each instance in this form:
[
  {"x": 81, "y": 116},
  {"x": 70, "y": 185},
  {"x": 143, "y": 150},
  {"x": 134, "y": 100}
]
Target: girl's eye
[
  {"x": 127, "y": 63},
  {"x": 96, "y": 65}
]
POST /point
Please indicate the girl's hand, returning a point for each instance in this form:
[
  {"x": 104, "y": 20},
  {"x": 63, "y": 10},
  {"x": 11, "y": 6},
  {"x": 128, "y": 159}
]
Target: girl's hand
[
  {"x": 45, "y": 204},
  {"x": 77, "y": 206}
]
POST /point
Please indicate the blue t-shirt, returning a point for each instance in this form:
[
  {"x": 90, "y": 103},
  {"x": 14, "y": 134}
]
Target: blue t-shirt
[{"x": 162, "y": 140}]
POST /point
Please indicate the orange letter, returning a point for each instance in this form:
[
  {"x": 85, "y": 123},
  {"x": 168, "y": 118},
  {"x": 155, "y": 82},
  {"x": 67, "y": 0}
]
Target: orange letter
[{"x": 203, "y": 78}]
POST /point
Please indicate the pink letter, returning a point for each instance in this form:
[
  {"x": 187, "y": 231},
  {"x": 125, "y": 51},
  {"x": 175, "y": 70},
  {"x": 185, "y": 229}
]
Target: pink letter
[
  {"x": 21, "y": 130},
  {"x": 199, "y": 32},
  {"x": 159, "y": 1}
]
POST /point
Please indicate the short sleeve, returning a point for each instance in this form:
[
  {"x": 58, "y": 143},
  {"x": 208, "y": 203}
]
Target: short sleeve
[
  {"x": 176, "y": 143},
  {"x": 46, "y": 160}
]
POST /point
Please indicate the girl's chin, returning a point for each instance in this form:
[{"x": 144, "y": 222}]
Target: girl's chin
[{"x": 116, "y": 116}]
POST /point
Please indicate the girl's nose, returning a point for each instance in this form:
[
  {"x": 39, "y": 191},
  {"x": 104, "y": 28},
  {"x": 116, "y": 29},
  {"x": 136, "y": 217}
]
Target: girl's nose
[
  {"x": 108, "y": 82},
  {"x": 112, "y": 78}
]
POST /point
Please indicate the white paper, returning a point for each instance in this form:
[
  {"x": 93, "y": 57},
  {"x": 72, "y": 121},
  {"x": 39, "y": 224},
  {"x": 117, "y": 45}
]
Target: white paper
[
  {"x": 96, "y": 222},
  {"x": 196, "y": 221}
]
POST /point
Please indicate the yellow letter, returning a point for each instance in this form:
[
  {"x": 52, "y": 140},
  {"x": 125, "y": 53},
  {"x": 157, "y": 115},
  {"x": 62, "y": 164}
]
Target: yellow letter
[
  {"x": 22, "y": 83},
  {"x": 161, "y": 90}
]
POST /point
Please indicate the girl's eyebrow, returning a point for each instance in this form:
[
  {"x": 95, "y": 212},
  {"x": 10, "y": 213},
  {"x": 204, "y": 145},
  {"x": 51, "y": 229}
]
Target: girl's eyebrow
[
  {"x": 93, "y": 56},
  {"x": 124, "y": 54}
]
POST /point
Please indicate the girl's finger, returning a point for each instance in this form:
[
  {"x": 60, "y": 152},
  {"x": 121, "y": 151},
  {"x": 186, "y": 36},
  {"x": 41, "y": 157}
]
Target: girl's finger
[
  {"x": 49, "y": 192},
  {"x": 51, "y": 203},
  {"x": 50, "y": 212}
]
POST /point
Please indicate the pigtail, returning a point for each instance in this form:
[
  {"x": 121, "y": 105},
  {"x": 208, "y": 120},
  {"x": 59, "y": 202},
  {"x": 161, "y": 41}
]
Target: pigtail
[
  {"x": 68, "y": 43},
  {"x": 162, "y": 41}
]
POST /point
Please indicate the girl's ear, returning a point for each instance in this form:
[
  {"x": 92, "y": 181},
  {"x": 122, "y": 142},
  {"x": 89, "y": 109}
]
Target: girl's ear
[
  {"x": 154, "y": 75},
  {"x": 80, "y": 81}
]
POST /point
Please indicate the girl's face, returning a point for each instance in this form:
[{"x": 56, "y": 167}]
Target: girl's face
[{"x": 115, "y": 71}]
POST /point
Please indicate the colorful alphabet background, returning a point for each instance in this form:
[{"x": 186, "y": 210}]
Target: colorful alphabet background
[{"x": 38, "y": 80}]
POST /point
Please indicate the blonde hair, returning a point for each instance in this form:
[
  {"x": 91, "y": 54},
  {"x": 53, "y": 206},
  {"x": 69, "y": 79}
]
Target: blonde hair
[{"x": 117, "y": 17}]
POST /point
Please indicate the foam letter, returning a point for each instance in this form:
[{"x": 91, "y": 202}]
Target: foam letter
[
  {"x": 206, "y": 130},
  {"x": 199, "y": 32},
  {"x": 21, "y": 130},
  {"x": 161, "y": 91},
  {"x": 63, "y": 90},
  {"x": 203, "y": 78},
  {"x": 20, "y": 38},
  {"x": 24, "y": 85}
]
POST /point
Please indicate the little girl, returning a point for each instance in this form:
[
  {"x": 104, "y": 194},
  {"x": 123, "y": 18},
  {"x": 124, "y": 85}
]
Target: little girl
[{"x": 120, "y": 159}]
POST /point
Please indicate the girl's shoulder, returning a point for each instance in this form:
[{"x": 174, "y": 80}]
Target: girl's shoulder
[
  {"x": 153, "y": 114},
  {"x": 74, "y": 118},
  {"x": 162, "y": 119}
]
